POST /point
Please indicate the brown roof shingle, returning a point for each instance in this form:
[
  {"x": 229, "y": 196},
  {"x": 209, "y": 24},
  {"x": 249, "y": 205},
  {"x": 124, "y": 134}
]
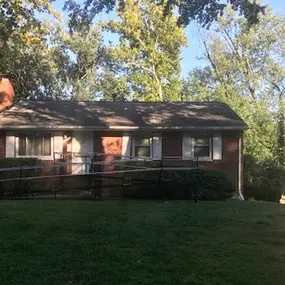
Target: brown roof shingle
[{"x": 125, "y": 115}]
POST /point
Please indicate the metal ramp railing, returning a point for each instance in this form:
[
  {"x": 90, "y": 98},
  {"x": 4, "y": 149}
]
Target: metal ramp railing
[{"x": 95, "y": 168}]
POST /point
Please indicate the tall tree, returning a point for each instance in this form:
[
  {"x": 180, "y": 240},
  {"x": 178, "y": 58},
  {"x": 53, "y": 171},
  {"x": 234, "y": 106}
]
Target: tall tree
[
  {"x": 81, "y": 53},
  {"x": 112, "y": 87},
  {"x": 149, "y": 50},
  {"x": 246, "y": 70},
  {"x": 20, "y": 16},
  {"x": 24, "y": 51}
]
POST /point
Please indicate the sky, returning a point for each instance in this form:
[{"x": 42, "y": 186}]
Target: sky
[{"x": 194, "y": 50}]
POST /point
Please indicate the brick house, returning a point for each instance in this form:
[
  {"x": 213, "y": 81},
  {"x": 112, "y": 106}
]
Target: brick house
[{"x": 211, "y": 131}]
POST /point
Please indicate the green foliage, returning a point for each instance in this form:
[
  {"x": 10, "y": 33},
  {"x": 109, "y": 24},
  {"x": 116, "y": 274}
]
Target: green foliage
[
  {"x": 112, "y": 87},
  {"x": 48, "y": 60},
  {"x": 21, "y": 161},
  {"x": 17, "y": 187},
  {"x": 80, "y": 52},
  {"x": 149, "y": 50},
  {"x": 210, "y": 185},
  {"x": 263, "y": 180},
  {"x": 25, "y": 52},
  {"x": 56, "y": 60},
  {"x": 180, "y": 184},
  {"x": 246, "y": 70},
  {"x": 19, "y": 16},
  {"x": 213, "y": 185},
  {"x": 205, "y": 12}
]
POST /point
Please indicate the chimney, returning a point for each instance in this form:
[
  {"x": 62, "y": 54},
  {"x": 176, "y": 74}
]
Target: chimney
[{"x": 6, "y": 92}]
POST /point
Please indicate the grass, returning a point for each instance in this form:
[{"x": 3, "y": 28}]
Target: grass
[{"x": 141, "y": 242}]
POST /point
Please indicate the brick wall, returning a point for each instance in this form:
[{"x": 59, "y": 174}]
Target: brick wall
[
  {"x": 2, "y": 144},
  {"x": 229, "y": 162},
  {"x": 172, "y": 144}
]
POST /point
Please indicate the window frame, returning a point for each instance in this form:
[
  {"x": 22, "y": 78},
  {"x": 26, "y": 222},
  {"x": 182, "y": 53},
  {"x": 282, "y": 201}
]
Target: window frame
[
  {"x": 203, "y": 158},
  {"x": 134, "y": 145},
  {"x": 42, "y": 157}
]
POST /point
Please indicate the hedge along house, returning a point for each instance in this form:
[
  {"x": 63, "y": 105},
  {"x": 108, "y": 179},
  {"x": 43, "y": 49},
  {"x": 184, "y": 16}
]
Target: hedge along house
[{"x": 211, "y": 131}]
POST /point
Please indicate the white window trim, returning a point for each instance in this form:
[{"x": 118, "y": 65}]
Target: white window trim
[
  {"x": 150, "y": 145},
  {"x": 10, "y": 144},
  {"x": 204, "y": 158},
  {"x": 126, "y": 146},
  {"x": 41, "y": 157},
  {"x": 217, "y": 143}
]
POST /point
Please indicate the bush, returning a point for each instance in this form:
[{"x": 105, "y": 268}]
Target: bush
[
  {"x": 17, "y": 187},
  {"x": 214, "y": 185},
  {"x": 180, "y": 184},
  {"x": 263, "y": 180}
]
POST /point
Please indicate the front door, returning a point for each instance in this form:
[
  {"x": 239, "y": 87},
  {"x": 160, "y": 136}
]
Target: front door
[{"x": 82, "y": 149}]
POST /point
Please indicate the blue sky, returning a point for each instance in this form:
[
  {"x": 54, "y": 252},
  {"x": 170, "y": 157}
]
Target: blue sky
[{"x": 194, "y": 49}]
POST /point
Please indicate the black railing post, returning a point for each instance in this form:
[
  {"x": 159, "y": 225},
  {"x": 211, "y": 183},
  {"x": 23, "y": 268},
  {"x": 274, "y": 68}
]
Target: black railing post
[
  {"x": 21, "y": 176},
  {"x": 197, "y": 183},
  {"x": 2, "y": 185},
  {"x": 92, "y": 186},
  {"x": 98, "y": 179},
  {"x": 54, "y": 184},
  {"x": 160, "y": 182}
]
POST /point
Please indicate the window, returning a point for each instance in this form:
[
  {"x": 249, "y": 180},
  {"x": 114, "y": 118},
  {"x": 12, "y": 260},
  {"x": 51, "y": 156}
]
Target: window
[
  {"x": 34, "y": 144},
  {"x": 202, "y": 147},
  {"x": 142, "y": 146}
]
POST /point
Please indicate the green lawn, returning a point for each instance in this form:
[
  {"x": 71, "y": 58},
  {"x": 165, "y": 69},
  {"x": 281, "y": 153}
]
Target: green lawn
[{"x": 141, "y": 242}]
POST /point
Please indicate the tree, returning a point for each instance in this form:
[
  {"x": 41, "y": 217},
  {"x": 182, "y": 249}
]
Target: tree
[
  {"x": 81, "y": 53},
  {"x": 20, "y": 16},
  {"x": 25, "y": 53},
  {"x": 204, "y": 12},
  {"x": 199, "y": 85},
  {"x": 246, "y": 69},
  {"x": 149, "y": 50},
  {"x": 112, "y": 87}
]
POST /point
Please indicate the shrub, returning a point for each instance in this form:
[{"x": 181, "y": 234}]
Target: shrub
[
  {"x": 214, "y": 185},
  {"x": 263, "y": 180},
  {"x": 16, "y": 187},
  {"x": 180, "y": 184}
]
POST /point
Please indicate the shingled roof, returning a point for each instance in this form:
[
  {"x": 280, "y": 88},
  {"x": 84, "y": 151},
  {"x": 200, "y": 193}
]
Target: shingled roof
[{"x": 120, "y": 115}]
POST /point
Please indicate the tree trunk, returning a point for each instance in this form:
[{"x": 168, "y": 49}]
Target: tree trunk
[{"x": 159, "y": 84}]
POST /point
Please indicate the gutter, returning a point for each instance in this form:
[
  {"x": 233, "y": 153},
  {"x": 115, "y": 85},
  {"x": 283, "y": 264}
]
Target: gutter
[{"x": 122, "y": 128}]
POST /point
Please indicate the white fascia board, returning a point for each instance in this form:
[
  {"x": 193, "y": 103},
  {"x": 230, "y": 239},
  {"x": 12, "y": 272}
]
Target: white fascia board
[{"x": 123, "y": 128}]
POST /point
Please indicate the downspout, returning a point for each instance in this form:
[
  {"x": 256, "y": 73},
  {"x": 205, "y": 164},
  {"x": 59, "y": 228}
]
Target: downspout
[{"x": 240, "y": 168}]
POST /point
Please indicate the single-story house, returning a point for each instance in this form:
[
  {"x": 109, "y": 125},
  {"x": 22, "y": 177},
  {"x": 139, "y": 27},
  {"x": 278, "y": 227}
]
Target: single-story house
[{"x": 210, "y": 131}]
